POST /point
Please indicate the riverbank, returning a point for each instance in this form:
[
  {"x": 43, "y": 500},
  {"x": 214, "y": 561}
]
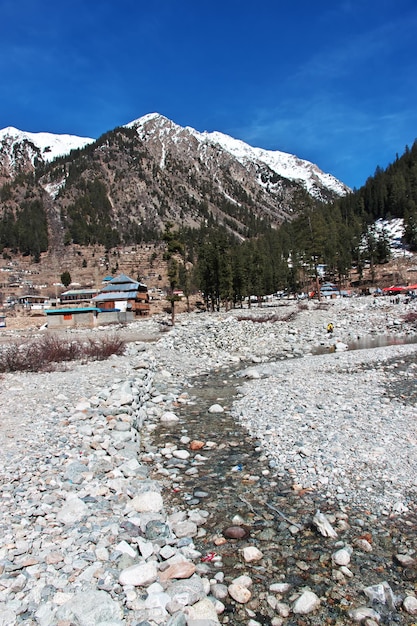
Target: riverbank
[{"x": 84, "y": 523}]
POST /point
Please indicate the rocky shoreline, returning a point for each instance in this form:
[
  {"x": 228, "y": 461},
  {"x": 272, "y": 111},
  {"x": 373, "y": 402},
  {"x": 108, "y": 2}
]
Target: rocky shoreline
[{"x": 91, "y": 532}]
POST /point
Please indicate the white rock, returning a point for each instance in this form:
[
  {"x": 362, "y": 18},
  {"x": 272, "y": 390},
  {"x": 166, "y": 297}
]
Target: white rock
[
  {"x": 102, "y": 554},
  {"x": 139, "y": 575},
  {"x": 306, "y": 603},
  {"x": 83, "y": 405},
  {"x": 181, "y": 454},
  {"x": 73, "y": 510},
  {"x": 282, "y": 609},
  {"x": 340, "y": 346},
  {"x": 341, "y": 557},
  {"x": 323, "y": 525},
  {"x": 125, "y": 548},
  {"x": 279, "y": 587},
  {"x": 145, "y": 547},
  {"x": 216, "y": 408},
  {"x": 362, "y": 613},
  {"x": 363, "y": 545},
  {"x": 169, "y": 416},
  {"x": 346, "y": 571},
  {"x": 405, "y": 560},
  {"x": 410, "y": 605},
  {"x": 244, "y": 580},
  {"x": 91, "y": 607},
  {"x": 251, "y": 553},
  {"x": 157, "y": 600},
  {"x": 147, "y": 502},
  {"x": 185, "y": 529},
  {"x": 219, "y": 591},
  {"x": 59, "y": 598},
  {"x": 202, "y": 612}
]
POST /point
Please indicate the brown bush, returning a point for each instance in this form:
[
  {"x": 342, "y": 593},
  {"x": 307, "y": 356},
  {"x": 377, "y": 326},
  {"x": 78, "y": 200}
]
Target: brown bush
[
  {"x": 103, "y": 348},
  {"x": 410, "y": 317},
  {"x": 41, "y": 354}
]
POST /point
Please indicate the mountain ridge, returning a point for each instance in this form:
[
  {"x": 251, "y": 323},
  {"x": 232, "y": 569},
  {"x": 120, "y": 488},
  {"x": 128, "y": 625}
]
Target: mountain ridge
[
  {"x": 53, "y": 145},
  {"x": 126, "y": 185},
  {"x": 282, "y": 163}
]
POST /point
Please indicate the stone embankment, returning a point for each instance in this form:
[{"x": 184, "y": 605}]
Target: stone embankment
[{"x": 89, "y": 536}]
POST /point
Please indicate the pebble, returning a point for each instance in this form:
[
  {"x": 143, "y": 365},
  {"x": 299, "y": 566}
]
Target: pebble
[
  {"x": 342, "y": 557},
  {"x": 238, "y": 592},
  {"x": 306, "y": 603},
  {"x": 410, "y": 605},
  {"x": 251, "y": 553}
]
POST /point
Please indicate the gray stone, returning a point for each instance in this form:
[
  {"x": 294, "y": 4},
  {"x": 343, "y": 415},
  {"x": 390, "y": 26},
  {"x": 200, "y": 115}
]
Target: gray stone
[
  {"x": 189, "y": 591},
  {"x": 91, "y": 608},
  {"x": 410, "y": 605}
]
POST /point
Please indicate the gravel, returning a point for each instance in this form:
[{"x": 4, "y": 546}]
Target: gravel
[{"x": 85, "y": 539}]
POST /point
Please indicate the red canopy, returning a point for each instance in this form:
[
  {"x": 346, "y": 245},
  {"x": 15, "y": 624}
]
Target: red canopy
[{"x": 394, "y": 289}]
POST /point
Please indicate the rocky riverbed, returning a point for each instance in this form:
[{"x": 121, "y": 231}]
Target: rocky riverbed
[{"x": 180, "y": 483}]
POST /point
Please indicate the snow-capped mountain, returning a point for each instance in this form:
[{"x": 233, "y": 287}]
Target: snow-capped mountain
[
  {"x": 18, "y": 149},
  {"x": 134, "y": 179},
  {"x": 288, "y": 166}
]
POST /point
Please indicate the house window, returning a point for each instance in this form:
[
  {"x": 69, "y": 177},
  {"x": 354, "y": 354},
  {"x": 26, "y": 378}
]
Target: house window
[{"x": 67, "y": 316}]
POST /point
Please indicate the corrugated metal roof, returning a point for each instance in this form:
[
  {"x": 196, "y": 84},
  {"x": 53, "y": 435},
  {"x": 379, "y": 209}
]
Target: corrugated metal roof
[
  {"x": 76, "y": 292},
  {"x": 123, "y": 279},
  {"x": 111, "y": 287},
  {"x": 115, "y": 295}
]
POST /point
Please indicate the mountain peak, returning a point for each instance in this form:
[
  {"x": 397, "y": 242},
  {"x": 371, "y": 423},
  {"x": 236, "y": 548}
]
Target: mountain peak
[
  {"x": 140, "y": 122},
  {"x": 288, "y": 166}
]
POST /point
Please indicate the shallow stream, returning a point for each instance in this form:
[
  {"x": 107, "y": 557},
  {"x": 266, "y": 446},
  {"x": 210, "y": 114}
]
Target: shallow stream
[{"x": 234, "y": 478}]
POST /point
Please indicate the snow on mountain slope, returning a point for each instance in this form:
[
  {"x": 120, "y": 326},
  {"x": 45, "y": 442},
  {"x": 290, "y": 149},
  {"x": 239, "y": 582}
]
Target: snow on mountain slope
[
  {"x": 285, "y": 165},
  {"x": 49, "y": 145},
  {"x": 17, "y": 145}
]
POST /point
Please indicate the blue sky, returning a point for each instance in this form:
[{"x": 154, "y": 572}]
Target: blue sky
[{"x": 334, "y": 82}]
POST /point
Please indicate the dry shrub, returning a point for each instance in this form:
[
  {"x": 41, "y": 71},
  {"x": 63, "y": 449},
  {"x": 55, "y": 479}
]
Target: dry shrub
[
  {"x": 53, "y": 350},
  {"x": 410, "y": 317},
  {"x": 38, "y": 355},
  {"x": 261, "y": 319},
  {"x": 103, "y": 348}
]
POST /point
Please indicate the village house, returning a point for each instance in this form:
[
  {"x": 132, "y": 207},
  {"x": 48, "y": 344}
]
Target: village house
[
  {"x": 123, "y": 294},
  {"x": 71, "y": 317},
  {"x": 77, "y": 296},
  {"x": 119, "y": 301}
]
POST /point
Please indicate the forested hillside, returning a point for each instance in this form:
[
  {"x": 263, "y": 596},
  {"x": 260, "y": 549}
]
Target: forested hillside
[
  {"x": 339, "y": 236},
  {"x": 124, "y": 187}
]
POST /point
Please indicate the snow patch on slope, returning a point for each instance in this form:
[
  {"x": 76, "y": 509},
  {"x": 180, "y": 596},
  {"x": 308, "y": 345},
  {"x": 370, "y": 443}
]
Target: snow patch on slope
[{"x": 49, "y": 144}]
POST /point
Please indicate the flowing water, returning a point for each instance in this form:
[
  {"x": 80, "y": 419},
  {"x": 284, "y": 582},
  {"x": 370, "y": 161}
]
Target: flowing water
[
  {"x": 369, "y": 342},
  {"x": 234, "y": 478}
]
